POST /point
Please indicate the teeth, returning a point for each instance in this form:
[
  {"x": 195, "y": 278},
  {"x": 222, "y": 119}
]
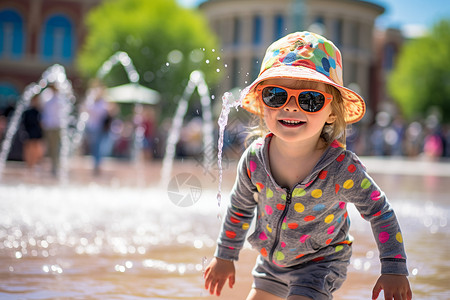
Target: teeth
[{"x": 291, "y": 122}]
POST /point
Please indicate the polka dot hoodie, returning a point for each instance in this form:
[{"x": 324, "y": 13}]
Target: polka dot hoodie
[{"x": 308, "y": 222}]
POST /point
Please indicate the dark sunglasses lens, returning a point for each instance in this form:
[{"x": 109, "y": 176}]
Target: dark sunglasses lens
[
  {"x": 274, "y": 96},
  {"x": 311, "y": 101}
]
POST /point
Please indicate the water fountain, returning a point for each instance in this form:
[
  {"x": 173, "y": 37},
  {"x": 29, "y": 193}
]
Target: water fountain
[
  {"x": 126, "y": 62},
  {"x": 196, "y": 80},
  {"x": 53, "y": 75}
]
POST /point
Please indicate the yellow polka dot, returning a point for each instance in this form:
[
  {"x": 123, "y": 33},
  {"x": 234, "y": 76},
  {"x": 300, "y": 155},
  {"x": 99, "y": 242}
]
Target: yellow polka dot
[
  {"x": 329, "y": 218},
  {"x": 399, "y": 237},
  {"x": 348, "y": 184},
  {"x": 316, "y": 193},
  {"x": 245, "y": 226},
  {"x": 268, "y": 228},
  {"x": 269, "y": 193},
  {"x": 299, "y": 207}
]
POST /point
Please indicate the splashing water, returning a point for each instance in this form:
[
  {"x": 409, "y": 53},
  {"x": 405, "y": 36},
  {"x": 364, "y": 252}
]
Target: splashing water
[
  {"x": 228, "y": 102},
  {"x": 196, "y": 80},
  {"x": 55, "y": 74}
]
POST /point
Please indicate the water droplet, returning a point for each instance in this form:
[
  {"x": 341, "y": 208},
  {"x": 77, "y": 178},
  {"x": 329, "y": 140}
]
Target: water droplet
[
  {"x": 225, "y": 65},
  {"x": 218, "y": 57},
  {"x": 218, "y": 70},
  {"x": 207, "y": 61},
  {"x": 167, "y": 64}
]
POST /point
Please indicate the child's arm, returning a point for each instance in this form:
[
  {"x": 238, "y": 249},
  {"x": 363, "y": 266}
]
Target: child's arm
[
  {"x": 217, "y": 273},
  {"x": 394, "y": 286}
]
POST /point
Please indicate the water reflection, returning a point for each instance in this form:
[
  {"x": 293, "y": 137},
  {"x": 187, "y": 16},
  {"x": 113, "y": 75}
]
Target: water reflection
[{"x": 77, "y": 241}]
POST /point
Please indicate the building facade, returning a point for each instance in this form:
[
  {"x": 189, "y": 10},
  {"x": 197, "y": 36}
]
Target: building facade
[
  {"x": 35, "y": 34},
  {"x": 247, "y": 27}
]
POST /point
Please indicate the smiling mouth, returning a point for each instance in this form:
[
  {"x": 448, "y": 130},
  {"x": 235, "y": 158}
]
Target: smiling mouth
[{"x": 291, "y": 123}]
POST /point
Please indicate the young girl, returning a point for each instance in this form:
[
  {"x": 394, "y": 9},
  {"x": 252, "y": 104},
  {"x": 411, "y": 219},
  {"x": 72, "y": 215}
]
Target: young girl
[{"x": 299, "y": 177}]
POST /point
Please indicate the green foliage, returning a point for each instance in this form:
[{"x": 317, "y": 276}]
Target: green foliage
[
  {"x": 421, "y": 78},
  {"x": 148, "y": 31}
]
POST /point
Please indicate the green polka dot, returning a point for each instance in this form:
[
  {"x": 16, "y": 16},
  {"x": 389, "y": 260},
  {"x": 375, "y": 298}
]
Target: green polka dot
[
  {"x": 298, "y": 192},
  {"x": 329, "y": 48},
  {"x": 284, "y": 226},
  {"x": 283, "y": 197},
  {"x": 338, "y": 248},
  {"x": 269, "y": 193},
  {"x": 365, "y": 184},
  {"x": 279, "y": 255}
]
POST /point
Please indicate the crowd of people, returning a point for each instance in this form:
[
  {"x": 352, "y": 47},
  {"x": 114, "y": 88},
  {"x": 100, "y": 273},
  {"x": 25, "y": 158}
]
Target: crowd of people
[{"x": 108, "y": 134}]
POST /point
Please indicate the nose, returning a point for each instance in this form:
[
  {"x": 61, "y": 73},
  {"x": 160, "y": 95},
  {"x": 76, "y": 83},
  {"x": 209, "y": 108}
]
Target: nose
[{"x": 291, "y": 106}]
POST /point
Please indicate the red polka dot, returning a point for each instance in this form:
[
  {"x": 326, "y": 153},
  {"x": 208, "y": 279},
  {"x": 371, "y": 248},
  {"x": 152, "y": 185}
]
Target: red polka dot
[
  {"x": 230, "y": 234},
  {"x": 323, "y": 174},
  {"x": 309, "y": 218},
  {"x": 293, "y": 225},
  {"x": 336, "y": 188},
  {"x": 264, "y": 252},
  {"x": 234, "y": 220},
  {"x": 280, "y": 206},
  {"x": 351, "y": 168},
  {"x": 340, "y": 157}
]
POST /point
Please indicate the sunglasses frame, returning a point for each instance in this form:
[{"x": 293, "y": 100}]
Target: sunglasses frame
[{"x": 294, "y": 92}]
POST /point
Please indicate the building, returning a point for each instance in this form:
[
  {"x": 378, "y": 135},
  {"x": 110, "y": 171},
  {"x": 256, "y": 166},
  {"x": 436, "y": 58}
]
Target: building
[
  {"x": 35, "y": 34},
  {"x": 247, "y": 27}
]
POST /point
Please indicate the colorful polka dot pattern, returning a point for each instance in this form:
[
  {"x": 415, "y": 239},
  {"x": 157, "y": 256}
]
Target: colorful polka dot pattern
[
  {"x": 309, "y": 56},
  {"x": 313, "y": 217}
]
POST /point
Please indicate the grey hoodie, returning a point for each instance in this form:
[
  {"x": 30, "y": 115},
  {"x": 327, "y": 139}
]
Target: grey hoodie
[{"x": 309, "y": 221}]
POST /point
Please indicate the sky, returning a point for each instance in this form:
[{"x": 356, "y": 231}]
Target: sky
[{"x": 413, "y": 17}]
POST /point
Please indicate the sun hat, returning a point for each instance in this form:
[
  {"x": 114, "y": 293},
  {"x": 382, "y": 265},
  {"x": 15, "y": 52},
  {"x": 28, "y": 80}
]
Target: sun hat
[{"x": 304, "y": 56}]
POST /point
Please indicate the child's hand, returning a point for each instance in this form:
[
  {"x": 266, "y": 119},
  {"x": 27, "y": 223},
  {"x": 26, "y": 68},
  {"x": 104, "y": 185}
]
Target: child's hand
[
  {"x": 217, "y": 273},
  {"x": 395, "y": 287}
]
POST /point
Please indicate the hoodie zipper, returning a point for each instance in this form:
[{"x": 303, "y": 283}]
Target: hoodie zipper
[{"x": 280, "y": 223}]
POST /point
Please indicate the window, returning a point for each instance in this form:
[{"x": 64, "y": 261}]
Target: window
[
  {"x": 57, "y": 41},
  {"x": 389, "y": 56},
  {"x": 257, "y": 30},
  {"x": 279, "y": 27},
  {"x": 11, "y": 34},
  {"x": 8, "y": 94}
]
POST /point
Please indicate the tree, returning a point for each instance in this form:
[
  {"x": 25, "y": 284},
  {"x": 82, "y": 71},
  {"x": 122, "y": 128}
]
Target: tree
[
  {"x": 421, "y": 78},
  {"x": 165, "y": 41}
]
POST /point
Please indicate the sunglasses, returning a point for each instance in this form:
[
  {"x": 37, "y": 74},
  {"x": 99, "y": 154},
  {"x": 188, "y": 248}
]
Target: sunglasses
[{"x": 310, "y": 101}]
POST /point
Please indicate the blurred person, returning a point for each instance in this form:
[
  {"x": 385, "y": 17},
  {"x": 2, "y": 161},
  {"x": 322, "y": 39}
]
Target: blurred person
[
  {"x": 298, "y": 178},
  {"x": 98, "y": 126},
  {"x": 52, "y": 111},
  {"x": 34, "y": 144},
  {"x": 149, "y": 125}
]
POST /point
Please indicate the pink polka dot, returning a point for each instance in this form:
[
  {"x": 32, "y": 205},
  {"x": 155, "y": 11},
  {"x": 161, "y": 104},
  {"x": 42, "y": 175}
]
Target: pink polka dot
[
  {"x": 263, "y": 236},
  {"x": 252, "y": 166},
  {"x": 269, "y": 209},
  {"x": 330, "y": 230},
  {"x": 398, "y": 256},
  {"x": 304, "y": 238},
  {"x": 283, "y": 244},
  {"x": 341, "y": 205},
  {"x": 383, "y": 237},
  {"x": 375, "y": 196}
]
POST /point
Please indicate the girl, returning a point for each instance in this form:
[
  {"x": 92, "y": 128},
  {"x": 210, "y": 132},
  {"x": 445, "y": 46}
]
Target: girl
[{"x": 299, "y": 177}]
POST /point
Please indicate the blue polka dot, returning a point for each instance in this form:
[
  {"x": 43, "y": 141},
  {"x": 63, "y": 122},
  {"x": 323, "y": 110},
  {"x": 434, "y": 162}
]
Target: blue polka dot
[
  {"x": 326, "y": 64},
  {"x": 318, "y": 207}
]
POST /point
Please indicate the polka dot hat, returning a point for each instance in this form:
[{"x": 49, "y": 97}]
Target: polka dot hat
[{"x": 305, "y": 56}]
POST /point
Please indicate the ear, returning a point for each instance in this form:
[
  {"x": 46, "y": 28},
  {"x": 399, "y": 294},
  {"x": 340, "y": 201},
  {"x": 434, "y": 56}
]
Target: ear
[{"x": 331, "y": 119}]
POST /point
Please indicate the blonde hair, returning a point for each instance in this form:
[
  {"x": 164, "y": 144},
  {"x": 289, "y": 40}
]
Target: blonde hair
[{"x": 330, "y": 132}]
